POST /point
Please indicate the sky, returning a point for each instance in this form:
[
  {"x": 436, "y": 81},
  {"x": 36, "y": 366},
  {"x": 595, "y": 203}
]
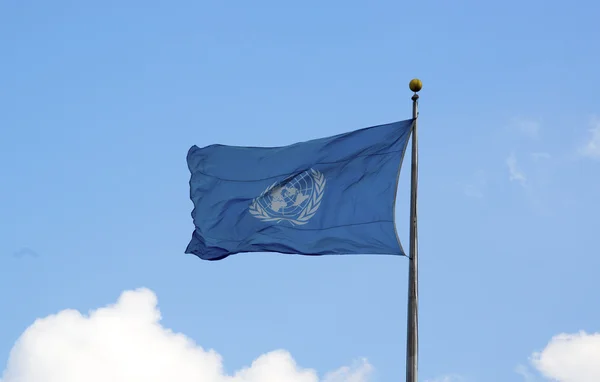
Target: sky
[{"x": 100, "y": 101}]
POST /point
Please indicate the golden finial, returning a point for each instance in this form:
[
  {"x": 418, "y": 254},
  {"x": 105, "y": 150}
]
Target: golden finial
[{"x": 415, "y": 85}]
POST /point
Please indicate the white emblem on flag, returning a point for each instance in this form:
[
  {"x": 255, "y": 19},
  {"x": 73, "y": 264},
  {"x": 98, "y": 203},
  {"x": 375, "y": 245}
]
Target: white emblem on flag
[{"x": 295, "y": 200}]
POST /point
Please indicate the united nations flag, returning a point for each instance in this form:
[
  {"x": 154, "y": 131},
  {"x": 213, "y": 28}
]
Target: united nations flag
[{"x": 333, "y": 195}]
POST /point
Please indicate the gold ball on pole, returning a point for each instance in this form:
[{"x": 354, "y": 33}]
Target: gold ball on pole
[{"x": 415, "y": 85}]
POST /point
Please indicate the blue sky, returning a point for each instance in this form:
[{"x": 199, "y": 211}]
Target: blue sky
[{"x": 100, "y": 101}]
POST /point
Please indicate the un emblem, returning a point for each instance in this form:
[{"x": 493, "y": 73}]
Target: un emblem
[{"x": 295, "y": 200}]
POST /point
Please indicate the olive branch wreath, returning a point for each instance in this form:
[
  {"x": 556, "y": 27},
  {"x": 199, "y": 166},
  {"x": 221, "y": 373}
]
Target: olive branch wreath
[{"x": 307, "y": 213}]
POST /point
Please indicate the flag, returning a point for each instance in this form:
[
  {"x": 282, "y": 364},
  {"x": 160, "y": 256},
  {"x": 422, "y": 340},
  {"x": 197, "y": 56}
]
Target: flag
[{"x": 328, "y": 196}]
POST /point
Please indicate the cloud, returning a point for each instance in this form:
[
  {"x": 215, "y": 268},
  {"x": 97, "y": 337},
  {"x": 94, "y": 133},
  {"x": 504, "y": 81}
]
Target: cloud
[
  {"x": 524, "y": 372},
  {"x": 125, "y": 342},
  {"x": 514, "y": 172},
  {"x": 359, "y": 372},
  {"x": 591, "y": 149},
  {"x": 527, "y": 127},
  {"x": 570, "y": 358}
]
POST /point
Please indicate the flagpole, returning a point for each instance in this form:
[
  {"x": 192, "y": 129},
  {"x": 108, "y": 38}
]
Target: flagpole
[{"x": 412, "y": 335}]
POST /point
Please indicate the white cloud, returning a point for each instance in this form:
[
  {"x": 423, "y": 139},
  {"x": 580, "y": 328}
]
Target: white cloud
[
  {"x": 125, "y": 342},
  {"x": 524, "y": 372},
  {"x": 570, "y": 358},
  {"x": 514, "y": 172},
  {"x": 591, "y": 148},
  {"x": 359, "y": 372}
]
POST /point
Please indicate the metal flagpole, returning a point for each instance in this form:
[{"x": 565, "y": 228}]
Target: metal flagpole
[{"x": 412, "y": 335}]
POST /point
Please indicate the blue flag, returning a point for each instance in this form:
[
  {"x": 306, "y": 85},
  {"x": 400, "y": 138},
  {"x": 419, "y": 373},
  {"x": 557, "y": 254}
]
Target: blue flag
[{"x": 328, "y": 196}]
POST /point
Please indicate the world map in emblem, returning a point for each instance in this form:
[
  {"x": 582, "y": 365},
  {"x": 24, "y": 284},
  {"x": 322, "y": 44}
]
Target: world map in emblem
[{"x": 295, "y": 200}]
